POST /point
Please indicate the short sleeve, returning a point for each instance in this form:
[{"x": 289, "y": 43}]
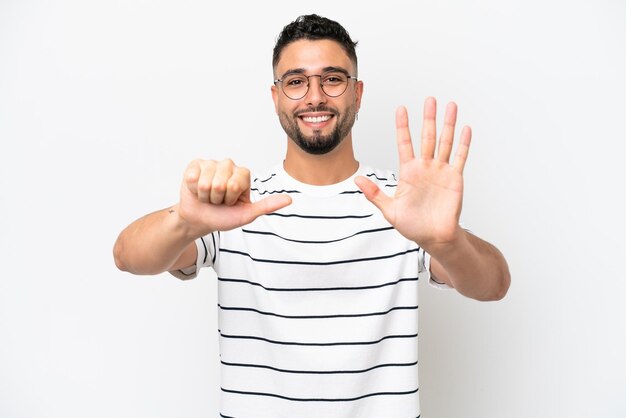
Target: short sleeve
[
  {"x": 424, "y": 272},
  {"x": 207, "y": 253}
]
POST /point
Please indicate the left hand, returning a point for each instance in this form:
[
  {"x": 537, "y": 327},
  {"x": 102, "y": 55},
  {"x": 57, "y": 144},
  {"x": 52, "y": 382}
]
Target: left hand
[{"x": 427, "y": 204}]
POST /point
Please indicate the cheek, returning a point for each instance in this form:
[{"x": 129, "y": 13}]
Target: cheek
[{"x": 286, "y": 108}]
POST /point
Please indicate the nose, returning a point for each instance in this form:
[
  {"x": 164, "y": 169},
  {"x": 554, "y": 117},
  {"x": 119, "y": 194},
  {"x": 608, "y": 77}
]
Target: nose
[{"x": 315, "y": 96}]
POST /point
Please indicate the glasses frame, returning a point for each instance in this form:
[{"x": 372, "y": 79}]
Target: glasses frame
[{"x": 308, "y": 83}]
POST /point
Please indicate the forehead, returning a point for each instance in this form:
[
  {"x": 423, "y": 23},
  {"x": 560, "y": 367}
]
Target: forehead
[{"x": 313, "y": 56}]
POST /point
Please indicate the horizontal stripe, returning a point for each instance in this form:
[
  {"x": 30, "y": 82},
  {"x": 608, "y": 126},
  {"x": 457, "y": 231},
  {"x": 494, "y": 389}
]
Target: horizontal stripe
[
  {"x": 263, "y": 181},
  {"x": 273, "y": 191},
  {"x": 329, "y": 344},
  {"x": 360, "y": 192},
  {"x": 382, "y": 178},
  {"x": 230, "y": 308},
  {"x": 261, "y": 366},
  {"x": 295, "y": 215},
  {"x": 239, "y": 392},
  {"x": 318, "y": 263},
  {"x": 377, "y": 178},
  {"x": 317, "y": 289},
  {"x": 367, "y": 231}
]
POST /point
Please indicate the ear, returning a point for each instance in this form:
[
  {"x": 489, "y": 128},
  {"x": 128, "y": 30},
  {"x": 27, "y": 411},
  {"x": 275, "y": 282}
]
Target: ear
[
  {"x": 275, "y": 93},
  {"x": 358, "y": 94}
]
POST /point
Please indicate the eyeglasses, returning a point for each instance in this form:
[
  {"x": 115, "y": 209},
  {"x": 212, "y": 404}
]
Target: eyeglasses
[{"x": 333, "y": 83}]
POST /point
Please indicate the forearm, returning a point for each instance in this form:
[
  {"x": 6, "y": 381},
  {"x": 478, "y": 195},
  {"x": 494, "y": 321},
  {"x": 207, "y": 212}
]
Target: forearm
[
  {"x": 154, "y": 243},
  {"x": 472, "y": 266}
]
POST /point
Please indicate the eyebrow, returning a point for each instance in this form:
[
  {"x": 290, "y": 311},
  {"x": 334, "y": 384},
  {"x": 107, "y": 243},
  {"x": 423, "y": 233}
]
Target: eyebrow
[{"x": 324, "y": 70}]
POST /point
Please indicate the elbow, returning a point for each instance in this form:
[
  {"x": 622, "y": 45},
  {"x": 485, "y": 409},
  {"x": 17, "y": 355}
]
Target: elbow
[
  {"x": 118, "y": 256},
  {"x": 128, "y": 261},
  {"x": 495, "y": 291},
  {"x": 501, "y": 288}
]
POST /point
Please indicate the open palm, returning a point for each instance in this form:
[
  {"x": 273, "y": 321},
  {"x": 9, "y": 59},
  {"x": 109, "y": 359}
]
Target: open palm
[{"x": 427, "y": 204}]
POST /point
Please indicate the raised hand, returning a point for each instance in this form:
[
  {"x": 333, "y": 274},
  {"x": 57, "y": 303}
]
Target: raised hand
[
  {"x": 427, "y": 204},
  {"x": 215, "y": 196}
]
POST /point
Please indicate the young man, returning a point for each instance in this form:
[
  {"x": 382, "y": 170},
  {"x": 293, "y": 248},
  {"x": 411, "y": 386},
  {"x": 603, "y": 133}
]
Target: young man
[{"x": 318, "y": 258}]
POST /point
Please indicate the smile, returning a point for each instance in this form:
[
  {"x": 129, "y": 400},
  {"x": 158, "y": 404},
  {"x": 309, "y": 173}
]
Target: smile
[{"x": 316, "y": 119}]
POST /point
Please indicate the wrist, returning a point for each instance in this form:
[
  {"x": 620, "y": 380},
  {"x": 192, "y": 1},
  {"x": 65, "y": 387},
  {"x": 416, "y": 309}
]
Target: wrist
[
  {"x": 182, "y": 226},
  {"x": 446, "y": 248}
]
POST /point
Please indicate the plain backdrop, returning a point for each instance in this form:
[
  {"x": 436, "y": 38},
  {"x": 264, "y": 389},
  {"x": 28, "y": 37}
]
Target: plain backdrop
[{"x": 104, "y": 103}]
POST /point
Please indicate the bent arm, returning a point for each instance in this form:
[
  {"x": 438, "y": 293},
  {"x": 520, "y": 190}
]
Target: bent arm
[
  {"x": 472, "y": 266},
  {"x": 155, "y": 243},
  {"x": 214, "y": 196}
]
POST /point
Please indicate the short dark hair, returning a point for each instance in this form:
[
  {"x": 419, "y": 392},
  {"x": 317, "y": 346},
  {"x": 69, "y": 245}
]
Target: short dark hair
[{"x": 313, "y": 27}]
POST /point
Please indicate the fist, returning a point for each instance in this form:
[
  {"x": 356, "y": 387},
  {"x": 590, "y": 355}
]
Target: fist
[
  {"x": 215, "y": 196},
  {"x": 218, "y": 182}
]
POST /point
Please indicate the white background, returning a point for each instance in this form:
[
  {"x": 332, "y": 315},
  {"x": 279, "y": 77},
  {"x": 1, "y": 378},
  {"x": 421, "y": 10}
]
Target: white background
[{"x": 103, "y": 103}]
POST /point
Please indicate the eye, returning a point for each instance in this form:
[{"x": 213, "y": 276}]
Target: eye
[
  {"x": 295, "y": 81},
  {"x": 334, "y": 79}
]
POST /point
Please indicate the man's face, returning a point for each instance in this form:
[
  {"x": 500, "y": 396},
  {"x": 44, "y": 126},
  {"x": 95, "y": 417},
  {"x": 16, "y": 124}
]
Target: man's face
[{"x": 317, "y": 123}]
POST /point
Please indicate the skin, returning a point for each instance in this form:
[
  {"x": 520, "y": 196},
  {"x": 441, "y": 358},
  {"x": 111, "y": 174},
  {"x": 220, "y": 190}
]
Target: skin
[
  {"x": 314, "y": 57},
  {"x": 215, "y": 195}
]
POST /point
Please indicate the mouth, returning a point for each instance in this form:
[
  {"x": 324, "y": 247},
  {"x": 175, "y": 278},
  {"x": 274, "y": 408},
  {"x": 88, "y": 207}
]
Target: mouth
[{"x": 316, "y": 120}]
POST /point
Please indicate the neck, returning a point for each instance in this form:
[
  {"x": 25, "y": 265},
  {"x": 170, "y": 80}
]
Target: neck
[{"x": 321, "y": 170}]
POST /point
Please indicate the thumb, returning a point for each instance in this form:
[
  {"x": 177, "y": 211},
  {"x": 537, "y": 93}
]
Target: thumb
[
  {"x": 373, "y": 193},
  {"x": 268, "y": 205}
]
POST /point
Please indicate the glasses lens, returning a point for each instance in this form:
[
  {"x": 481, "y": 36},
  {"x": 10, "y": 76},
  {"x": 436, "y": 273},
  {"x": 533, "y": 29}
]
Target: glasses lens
[
  {"x": 295, "y": 86},
  {"x": 334, "y": 83}
]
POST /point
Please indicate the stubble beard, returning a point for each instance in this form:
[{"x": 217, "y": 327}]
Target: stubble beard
[{"x": 318, "y": 144}]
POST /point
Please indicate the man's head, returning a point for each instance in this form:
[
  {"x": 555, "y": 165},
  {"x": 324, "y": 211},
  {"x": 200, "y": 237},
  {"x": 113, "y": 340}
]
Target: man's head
[
  {"x": 318, "y": 107},
  {"x": 314, "y": 28}
]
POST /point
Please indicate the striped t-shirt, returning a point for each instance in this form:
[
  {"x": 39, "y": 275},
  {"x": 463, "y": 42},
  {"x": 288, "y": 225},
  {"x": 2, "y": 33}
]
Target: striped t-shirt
[{"x": 318, "y": 305}]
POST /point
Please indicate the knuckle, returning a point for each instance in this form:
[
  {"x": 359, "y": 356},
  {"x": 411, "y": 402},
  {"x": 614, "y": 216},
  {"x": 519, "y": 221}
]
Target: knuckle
[
  {"x": 218, "y": 187},
  {"x": 204, "y": 186},
  {"x": 234, "y": 186},
  {"x": 191, "y": 175}
]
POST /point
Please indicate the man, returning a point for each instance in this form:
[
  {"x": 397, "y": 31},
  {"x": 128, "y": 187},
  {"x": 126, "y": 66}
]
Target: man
[{"x": 318, "y": 258}]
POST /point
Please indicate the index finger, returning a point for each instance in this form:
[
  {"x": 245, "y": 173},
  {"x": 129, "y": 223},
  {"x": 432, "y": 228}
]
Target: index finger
[
  {"x": 191, "y": 176},
  {"x": 403, "y": 135}
]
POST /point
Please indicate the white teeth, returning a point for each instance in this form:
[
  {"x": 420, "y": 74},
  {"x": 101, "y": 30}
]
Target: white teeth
[{"x": 316, "y": 119}]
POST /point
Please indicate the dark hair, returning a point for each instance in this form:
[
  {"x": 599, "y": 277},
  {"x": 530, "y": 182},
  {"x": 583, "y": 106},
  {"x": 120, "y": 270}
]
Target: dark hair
[{"x": 314, "y": 27}]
